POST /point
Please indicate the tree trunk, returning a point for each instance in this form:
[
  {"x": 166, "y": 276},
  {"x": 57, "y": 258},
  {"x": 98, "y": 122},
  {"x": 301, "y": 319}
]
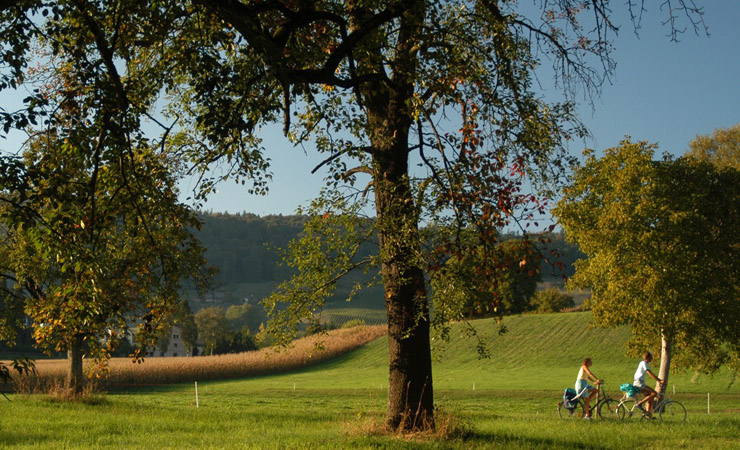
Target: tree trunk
[
  {"x": 410, "y": 393},
  {"x": 665, "y": 361},
  {"x": 389, "y": 119},
  {"x": 75, "y": 380}
]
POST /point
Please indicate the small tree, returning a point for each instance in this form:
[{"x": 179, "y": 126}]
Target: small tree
[
  {"x": 661, "y": 242},
  {"x": 89, "y": 247},
  {"x": 183, "y": 317},
  {"x": 212, "y": 327},
  {"x": 246, "y": 315},
  {"x": 551, "y": 300}
]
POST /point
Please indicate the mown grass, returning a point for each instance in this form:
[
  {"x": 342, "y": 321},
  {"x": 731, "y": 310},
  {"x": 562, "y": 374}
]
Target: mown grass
[
  {"x": 341, "y": 403},
  {"x": 245, "y": 414}
]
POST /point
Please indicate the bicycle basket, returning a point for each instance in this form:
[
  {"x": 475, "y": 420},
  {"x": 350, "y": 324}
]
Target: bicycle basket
[
  {"x": 630, "y": 389},
  {"x": 568, "y": 398}
]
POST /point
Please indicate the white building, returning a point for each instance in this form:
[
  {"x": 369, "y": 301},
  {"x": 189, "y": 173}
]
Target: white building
[{"x": 175, "y": 347}]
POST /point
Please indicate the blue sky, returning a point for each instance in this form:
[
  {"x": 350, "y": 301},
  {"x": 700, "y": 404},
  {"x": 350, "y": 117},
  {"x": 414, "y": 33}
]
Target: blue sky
[{"x": 663, "y": 92}]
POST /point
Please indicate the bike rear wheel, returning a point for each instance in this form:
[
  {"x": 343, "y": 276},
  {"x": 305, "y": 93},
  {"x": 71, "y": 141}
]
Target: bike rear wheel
[
  {"x": 627, "y": 410},
  {"x": 607, "y": 409},
  {"x": 672, "y": 412},
  {"x": 570, "y": 413}
]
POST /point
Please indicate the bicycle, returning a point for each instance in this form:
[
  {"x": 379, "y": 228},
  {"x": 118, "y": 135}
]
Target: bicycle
[
  {"x": 605, "y": 406},
  {"x": 667, "y": 409}
]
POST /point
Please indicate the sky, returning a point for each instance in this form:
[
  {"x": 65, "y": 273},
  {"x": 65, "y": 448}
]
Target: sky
[{"x": 663, "y": 92}]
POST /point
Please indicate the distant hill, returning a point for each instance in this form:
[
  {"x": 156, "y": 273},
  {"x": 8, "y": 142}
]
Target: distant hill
[
  {"x": 244, "y": 249},
  {"x": 243, "y": 246}
]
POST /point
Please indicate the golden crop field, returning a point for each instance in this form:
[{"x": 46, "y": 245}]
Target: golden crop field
[{"x": 123, "y": 372}]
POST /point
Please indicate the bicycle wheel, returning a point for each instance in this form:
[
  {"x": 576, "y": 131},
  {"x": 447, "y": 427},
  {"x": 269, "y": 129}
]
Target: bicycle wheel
[
  {"x": 607, "y": 409},
  {"x": 672, "y": 412},
  {"x": 570, "y": 413},
  {"x": 627, "y": 409}
]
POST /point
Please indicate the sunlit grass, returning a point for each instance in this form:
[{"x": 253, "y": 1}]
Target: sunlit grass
[
  {"x": 505, "y": 402},
  {"x": 249, "y": 414}
]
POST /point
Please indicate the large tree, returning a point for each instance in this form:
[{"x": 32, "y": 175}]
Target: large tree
[
  {"x": 661, "y": 242},
  {"x": 427, "y": 105}
]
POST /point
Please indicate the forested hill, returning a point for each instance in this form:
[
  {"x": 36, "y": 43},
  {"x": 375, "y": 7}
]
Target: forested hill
[{"x": 243, "y": 247}]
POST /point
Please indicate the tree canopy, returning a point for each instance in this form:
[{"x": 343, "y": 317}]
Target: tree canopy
[
  {"x": 661, "y": 243},
  {"x": 88, "y": 254}
]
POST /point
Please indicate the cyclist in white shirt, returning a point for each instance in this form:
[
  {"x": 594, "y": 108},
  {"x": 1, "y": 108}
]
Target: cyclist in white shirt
[{"x": 639, "y": 382}]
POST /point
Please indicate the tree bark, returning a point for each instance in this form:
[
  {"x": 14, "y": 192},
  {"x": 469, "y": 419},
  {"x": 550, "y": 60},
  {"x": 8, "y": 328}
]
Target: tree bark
[
  {"x": 665, "y": 361},
  {"x": 410, "y": 393},
  {"x": 75, "y": 380}
]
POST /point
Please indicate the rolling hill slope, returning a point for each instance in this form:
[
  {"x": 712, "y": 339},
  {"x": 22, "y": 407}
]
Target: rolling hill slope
[{"x": 538, "y": 352}]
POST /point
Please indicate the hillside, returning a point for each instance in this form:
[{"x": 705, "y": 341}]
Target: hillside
[{"x": 539, "y": 352}]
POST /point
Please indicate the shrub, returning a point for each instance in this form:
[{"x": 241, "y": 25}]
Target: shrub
[{"x": 551, "y": 300}]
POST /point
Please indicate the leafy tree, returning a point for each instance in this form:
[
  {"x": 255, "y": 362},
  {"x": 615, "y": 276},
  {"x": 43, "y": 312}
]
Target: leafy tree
[
  {"x": 508, "y": 291},
  {"x": 212, "y": 327},
  {"x": 88, "y": 251},
  {"x": 722, "y": 148},
  {"x": 371, "y": 85},
  {"x": 246, "y": 315},
  {"x": 661, "y": 243},
  {"x": 183, "y": 318}
]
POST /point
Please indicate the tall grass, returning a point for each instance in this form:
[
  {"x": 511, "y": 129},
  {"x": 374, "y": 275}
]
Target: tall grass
[{"x": 124, "y": 373}]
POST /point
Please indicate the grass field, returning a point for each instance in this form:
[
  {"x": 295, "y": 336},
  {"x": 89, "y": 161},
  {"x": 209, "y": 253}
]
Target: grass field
[{"x": 505, "y": 402}]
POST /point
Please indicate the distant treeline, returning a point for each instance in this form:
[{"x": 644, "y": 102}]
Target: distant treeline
[{"x": 244, "y": 247}]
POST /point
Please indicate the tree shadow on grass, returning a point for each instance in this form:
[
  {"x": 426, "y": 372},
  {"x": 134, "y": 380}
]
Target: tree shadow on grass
[{"x": 513, "y": 441}]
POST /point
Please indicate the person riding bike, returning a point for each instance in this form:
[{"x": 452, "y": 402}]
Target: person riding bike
[
  {"x": 649, "y": 393},
  {"x": 583, "y": 389}
]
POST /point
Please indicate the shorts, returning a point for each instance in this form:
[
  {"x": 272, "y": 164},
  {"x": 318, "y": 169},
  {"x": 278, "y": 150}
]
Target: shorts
[{"x": 581, "y": 385}]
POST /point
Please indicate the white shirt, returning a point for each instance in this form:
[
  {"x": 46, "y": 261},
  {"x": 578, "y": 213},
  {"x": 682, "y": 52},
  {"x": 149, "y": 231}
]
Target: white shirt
[
  {"x": 581, "y": 374},
  {"x": 640, "y": 372}
]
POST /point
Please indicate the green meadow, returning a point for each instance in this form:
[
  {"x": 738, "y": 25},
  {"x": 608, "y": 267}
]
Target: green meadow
[{"x": 507, "y": 401}]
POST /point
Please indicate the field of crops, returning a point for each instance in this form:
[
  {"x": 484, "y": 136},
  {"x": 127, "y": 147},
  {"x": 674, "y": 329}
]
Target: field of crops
[{"x": 507, "y": 401}]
